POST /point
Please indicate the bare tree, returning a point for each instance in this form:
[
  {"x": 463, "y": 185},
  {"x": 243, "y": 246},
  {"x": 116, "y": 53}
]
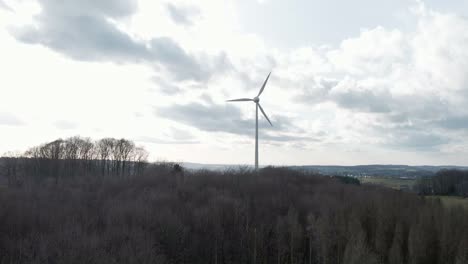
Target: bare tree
[
  {"x": 123, "y": 149},
  {"x": 105, "y": 148},
  {"x": 140, "y": 157}
]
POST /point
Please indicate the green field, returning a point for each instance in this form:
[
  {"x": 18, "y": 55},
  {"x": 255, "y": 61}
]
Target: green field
[
  {"x": 451, "y": 201},
  {"x": 394, "y": 183}
]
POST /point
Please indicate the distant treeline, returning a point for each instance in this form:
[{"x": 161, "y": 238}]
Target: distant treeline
[
  {"x": 75, "y": 156},
  {"x": 445, "y": 182},
  {"x": 347, "y": 180},
  {"x": 168, "y": 215}
]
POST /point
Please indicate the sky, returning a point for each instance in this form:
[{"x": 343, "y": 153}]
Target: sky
[{"x": 353, "y": 82}]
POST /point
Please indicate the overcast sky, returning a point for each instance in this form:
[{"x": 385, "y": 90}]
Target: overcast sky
[{"x": 353, "y": 82}]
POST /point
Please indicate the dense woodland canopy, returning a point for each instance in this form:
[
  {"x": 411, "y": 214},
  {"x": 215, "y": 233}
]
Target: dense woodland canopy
[{"x": 168, "y": 215}]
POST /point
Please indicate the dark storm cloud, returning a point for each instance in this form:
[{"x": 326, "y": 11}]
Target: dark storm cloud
[
  {"x": 181, "y": 15},
  {"x": 228, "y": 119},
  {"x": 8, "y": 119},
  {"x": 82, "y": 30}
]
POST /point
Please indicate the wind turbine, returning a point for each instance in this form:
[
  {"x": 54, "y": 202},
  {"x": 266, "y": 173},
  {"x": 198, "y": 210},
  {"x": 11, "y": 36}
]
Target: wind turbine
[{"x": 256, "y": 100}]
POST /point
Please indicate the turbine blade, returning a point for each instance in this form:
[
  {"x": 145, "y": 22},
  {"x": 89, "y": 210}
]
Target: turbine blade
[
  {"x": 263, "y": 112},
  {"x": 263, "y": 86},
  {"x": 240, "y": 100}
]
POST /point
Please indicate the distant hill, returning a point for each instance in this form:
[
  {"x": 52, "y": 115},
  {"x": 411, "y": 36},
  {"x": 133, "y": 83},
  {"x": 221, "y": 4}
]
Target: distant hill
[
  {"x": 400, "y": 171},
  {"x": 213, "y": 167}
]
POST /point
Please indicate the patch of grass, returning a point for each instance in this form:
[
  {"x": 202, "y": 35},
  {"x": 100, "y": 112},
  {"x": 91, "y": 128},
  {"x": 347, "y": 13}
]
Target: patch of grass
[
  {"x": 394, "y": 183},
  {"x": 451, "y": 201}
]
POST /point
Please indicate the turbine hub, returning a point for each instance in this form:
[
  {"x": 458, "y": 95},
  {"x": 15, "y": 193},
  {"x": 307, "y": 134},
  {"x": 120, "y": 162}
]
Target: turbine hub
[{"x": 256, "y": 99}]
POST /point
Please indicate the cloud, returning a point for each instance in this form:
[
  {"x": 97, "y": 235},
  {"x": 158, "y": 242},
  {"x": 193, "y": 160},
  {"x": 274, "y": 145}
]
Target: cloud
[
  {"x": 373, "y": 52},
  {"x": 213, "y": 118},
  {"x": 65, "y": 125},
  {"x": 165, "y": 87},
  {"x": 352, "y": 95},
  {"x": 182, "y": 15},
  {"x": 85, "y": 30},
  {"x": 404, "y": 89},
  {"x": 416, "y": 140},
  {"x": 4, "y": 6},
  {"x": 154, "y": 140},
  {"x": 283, "y": 138},
  {"x": 396, "y": 88},
  {"x": 179, "y": 134},
  {"x": 108, "y": 8},
  {"x": 8, "y": 119},
  {"x": 229, "y": 119},
  {"x": 314, "y": 89},
  {"x": 174, "y": 136},
  {"x": 85, "y": 38},
  {"x": 453, "y": 122},
  {"x": 177, "y": 61}
]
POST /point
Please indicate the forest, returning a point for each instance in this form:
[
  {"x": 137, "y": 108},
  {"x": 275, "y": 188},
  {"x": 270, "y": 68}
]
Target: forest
[
  {"x": 117, "y": 208},
  {"x": 71, "y": 157},
  {"x": 445, "y": 182}
]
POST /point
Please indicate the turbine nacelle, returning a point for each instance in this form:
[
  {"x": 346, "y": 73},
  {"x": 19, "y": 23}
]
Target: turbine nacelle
[{"x": 256, "y": 100}]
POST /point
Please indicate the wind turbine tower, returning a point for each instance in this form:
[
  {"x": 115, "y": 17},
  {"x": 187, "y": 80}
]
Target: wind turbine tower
[{"x": 256, "y": 100}]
